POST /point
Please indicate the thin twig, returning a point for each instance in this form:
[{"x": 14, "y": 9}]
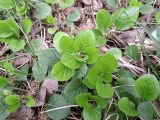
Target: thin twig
[{"x": 59, "y": 108}]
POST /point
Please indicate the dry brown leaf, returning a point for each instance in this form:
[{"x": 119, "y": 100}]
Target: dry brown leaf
[
  {"x": 97, "y": 4},
  {"x": 24, "y": 113},
  {"x": 87, "y": 2},
  {"x": 87, "y": 25},
  {"x": 21, "y": 61},
  {"x": 49, "y": 86}
]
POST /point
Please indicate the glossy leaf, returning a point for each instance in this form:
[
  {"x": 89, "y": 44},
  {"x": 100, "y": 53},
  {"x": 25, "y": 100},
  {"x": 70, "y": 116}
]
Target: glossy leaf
[
  {"x": 66, "y": 44},
  {"x": 147, "y": 86},
  {"x": 104, "y": 90},
  {"x": 91, "y": 113},
  {"x": 100, "y": 40},
  {"x": 132, "y": 51},
  {"x": 96, "y": 74},
  {"x": 127, "y": 106},
  {"x": 57, "y": 38},
  {"x": 125, "y": 18},
  {"x": 103, "y": 20},
  {"x": 17, "y": 45},
  {"x": 43, "y": 10},
  {"x": 85, "y": 39},
  {"x": 74, "y": 16},
  {"x": 107, "y": 63},
  {"x": 13, "y": 102},
  {"x": 51, "y": 20},
  {"x": 69, "y": 61},
  {"x": 27, "y": 24},
  {"x": 61, "y": 73},
  {"x": 116, "y": 52},
  {"x": 82, "y": 99},
  {"x": 30, "y": 101},
  {"x": 92, "y": 53}
]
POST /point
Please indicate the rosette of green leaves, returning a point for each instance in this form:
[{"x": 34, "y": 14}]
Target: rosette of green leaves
[
  {"x": 92, "y": 106},
  {"x": 74, "y": 54},
  {"x": 100, "y": 76}
]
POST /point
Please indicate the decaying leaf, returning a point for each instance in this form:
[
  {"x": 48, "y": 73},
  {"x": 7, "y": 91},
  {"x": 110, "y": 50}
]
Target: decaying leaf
[
  {"x": 87, "y": 2},
  {"x": 49, "y": 86}
]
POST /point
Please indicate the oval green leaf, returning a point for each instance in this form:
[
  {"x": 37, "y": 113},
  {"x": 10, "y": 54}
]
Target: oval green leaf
[
  {"x": 147, "y": 86},
  {"x": 127, "y": 106},
  {"x": 61, "y": 72}
]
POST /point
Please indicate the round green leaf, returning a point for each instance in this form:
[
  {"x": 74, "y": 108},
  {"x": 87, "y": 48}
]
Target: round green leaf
[
  {"x": 51, "y": 20},
  {"x": 52, "y": 30},
  {"x": 67, "y": 3},
  {"x": 116, "y": 52},
  {"x": 158, "y": 17},
  {"x": 146, "y": 111},
  {"x": 90, "y": 112},
  {"x": 126, "y": 18},
  {"x": 104, "y": 90},
  {"x": 61, "y": 72},
  {"x": 17, "y": 45},
  {"x": 74, "y": 16},
  {"x": 27, "y": 24},
  {"x": 127, "y": 106},
  {"x": 43, "y": 10},
  {"x": 57, "y": 38},
  {"x": 58, "y": 101},
  {"x": 147, "y": 86},
  {"x": 74, "y": 88},
  {"x": 30, "y": 101},
  {"x": 85, "y": 39},
  {"x": 103, "y": 20},
  {"x": 146, "y": 9},
  {"x": 132, "y": 51},
  {"x": 13, "y": 102},
  {"x": 3, "y": 81},
  {"x": 66, "y": 44},
  {"x": 107, "y": 63},
  {"x": 82, "y": 99}
]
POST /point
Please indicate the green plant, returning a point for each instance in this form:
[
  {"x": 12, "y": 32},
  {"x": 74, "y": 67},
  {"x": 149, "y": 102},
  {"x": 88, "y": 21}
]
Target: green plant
[
  {"x": 81, "y": 50},
  {"x": 12, "y": 101}
]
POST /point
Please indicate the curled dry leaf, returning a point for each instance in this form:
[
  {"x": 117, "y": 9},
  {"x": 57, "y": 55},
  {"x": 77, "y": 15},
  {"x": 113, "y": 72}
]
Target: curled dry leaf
[{"x": 87, "y": 2}]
